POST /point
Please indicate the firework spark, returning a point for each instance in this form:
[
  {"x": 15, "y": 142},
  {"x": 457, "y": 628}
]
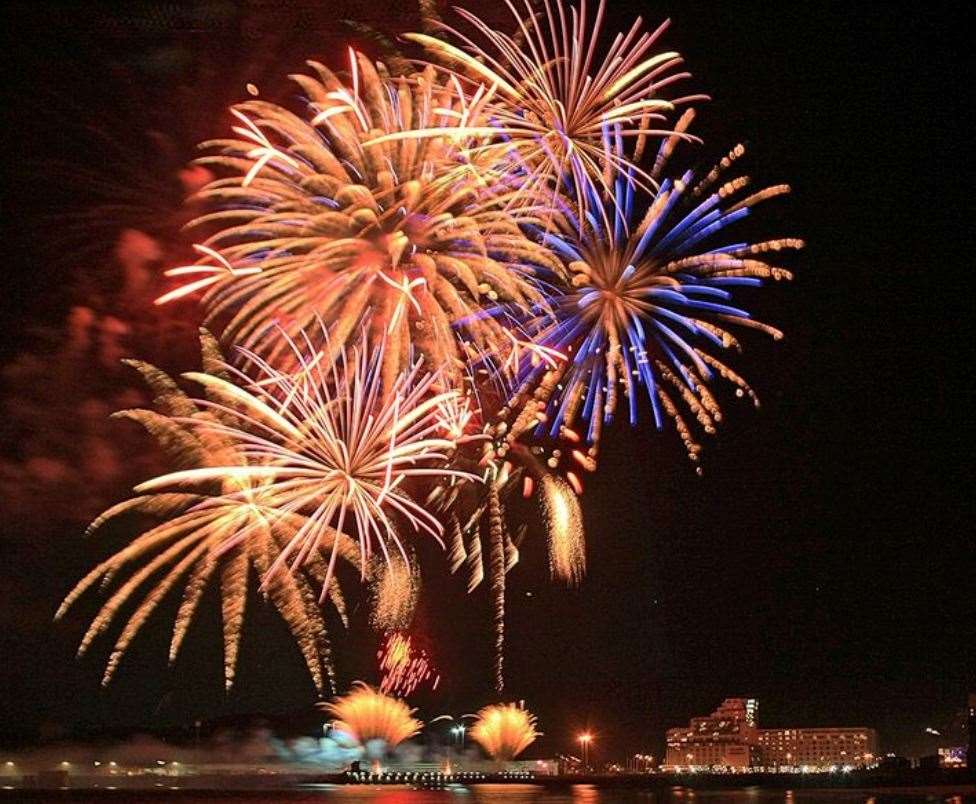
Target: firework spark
[
  {"x": 404, "y": 666},
  {"x": 504, "y": 731}
]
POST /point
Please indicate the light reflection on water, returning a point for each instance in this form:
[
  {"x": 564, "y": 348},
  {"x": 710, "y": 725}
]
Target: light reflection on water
[
  {"x": 532, "y": 794},
  {"x": 589, "y": 794}
]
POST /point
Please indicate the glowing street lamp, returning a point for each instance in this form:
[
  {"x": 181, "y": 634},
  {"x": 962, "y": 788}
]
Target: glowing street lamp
[
  {"x": 585, "y": 739},
  {"x": 458, "y": 729}
]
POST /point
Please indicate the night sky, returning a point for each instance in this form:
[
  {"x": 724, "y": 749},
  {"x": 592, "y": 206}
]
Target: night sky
[{"x": 824, "y": 563}]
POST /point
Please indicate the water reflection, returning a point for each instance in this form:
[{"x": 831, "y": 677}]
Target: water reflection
[
  {"x": 534, "y": 794},
  {"x": 590, "y": 794}
]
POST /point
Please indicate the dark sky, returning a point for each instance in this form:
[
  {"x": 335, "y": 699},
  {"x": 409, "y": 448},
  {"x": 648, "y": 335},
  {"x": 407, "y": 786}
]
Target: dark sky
[{"x": 825, "y": 561}]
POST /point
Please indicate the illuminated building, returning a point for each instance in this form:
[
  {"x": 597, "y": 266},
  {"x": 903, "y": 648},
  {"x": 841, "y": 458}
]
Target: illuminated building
[
  {"x": 730, "y": 738},
  {"x": 953, "y": 757},
  {"x": 726, "y": 738},
  {"x": 818, "y": 748}
]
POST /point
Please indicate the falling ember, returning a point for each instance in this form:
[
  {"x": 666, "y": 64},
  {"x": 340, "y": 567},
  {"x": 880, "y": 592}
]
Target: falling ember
[
  {"x": 395, "y": 588},
  {"x": 405, "y": 666},
  {"x": 564, "y": 524}
]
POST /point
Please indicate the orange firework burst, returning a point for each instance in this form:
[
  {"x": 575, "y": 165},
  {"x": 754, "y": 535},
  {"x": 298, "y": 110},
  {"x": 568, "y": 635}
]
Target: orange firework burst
[
  {"x": 504, "y": 730},
  {"x": 366, "y": 714},
  {"x": 319, "y": 219},
  {"x": 327, "y": 445},
  {"x": 405, "y": 666},
  {"x": 189, "y": 547}
]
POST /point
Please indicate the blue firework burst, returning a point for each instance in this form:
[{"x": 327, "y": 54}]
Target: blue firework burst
[{"x": 647, "y": 308}]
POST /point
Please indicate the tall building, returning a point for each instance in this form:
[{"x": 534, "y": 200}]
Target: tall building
[
  {"x": 730, "y": 737},
  {"x": 726, "y": 738}
]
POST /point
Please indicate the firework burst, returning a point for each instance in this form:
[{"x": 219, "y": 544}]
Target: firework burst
[
  {"x": 555, "y": 97},
  {"x": 328, "y": 444},
  {"x": 368, "y": 715},
  {"x": 189, "y": 547},
  {"x": 321, "y": 220},
  {"x": 441, "y": 286},
  {"x": 649, "y": 303},
  {"x": 504, "y": 731}
]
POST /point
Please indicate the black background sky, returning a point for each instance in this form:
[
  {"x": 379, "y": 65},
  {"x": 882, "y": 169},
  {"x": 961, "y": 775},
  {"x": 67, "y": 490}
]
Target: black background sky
[{"x": 825, "y": 561}]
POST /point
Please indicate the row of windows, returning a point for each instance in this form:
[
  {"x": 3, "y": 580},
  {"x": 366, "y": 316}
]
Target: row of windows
[{"x": 780, "y": 737}]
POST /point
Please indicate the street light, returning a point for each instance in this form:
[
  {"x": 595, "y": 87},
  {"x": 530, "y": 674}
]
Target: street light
[
  {"x": 585, "y": 738},
  {"x": 458, "y": 731}
]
